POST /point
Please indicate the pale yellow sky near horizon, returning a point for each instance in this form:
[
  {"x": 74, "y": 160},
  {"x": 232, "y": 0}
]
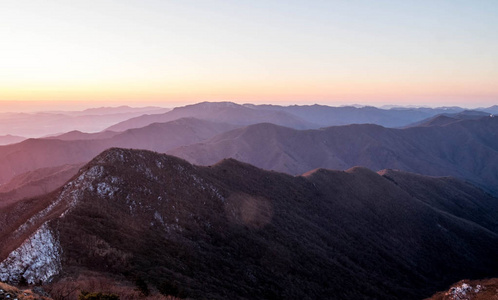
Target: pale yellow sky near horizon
[{"x": 78, "y": 54}]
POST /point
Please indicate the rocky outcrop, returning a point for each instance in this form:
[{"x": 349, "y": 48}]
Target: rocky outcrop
[{"x": 37, "y": 259}]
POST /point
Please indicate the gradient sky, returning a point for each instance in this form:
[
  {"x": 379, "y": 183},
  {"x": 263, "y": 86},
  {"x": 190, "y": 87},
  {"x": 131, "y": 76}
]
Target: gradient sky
[{"x": 174, "y": 52}]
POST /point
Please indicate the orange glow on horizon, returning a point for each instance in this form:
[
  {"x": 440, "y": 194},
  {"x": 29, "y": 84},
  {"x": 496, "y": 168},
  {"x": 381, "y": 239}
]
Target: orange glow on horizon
[
  {"x": 250, "y": 91},
  {"x": 181, "y": 52}
]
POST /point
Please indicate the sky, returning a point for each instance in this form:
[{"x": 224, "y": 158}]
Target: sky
[{"x": 169, "y": 53}]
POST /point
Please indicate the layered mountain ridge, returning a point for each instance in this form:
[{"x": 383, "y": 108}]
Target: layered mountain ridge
[
  {"x": 224, "y": 112},
  {"x": 466, "y": 149},
  {"x": 230, "y": 230},
  {"x": 294, "y": 116},
  {"x": 233, "y": 231},
  {"x": 78, "y": 148}
]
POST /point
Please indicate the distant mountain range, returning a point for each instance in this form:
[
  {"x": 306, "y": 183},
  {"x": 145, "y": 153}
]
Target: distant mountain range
[
  {"x": 466, "y": 148},
  {"x": 447, "y": 118},
  {"x": 326, "y": 116},
  {"x": 225, "y": 112},
  {"x": 493, "y": 109},
  {"x": 233, "y": 231},
  {"x": 296, "y": 116},
  {"x": 77, "y": 147}
]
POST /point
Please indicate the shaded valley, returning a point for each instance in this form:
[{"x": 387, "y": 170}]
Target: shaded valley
[{"x": 233, "y": 231}]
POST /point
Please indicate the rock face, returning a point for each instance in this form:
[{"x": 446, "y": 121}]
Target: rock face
[
  {"x": 233, "y": 231},
  {"x": 486, "y": 289},
  {"x": 38, "y": 258},
  {"x": 8, "y": 292}
]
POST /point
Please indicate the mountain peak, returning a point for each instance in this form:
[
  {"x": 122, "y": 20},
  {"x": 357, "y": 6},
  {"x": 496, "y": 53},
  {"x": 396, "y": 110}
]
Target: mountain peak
[
  {"x": 211, "y": 105},
  {"x": 318, "y": 172},
  {"x": 360, "y": 170},
  {"x": 135, "y": 157}
]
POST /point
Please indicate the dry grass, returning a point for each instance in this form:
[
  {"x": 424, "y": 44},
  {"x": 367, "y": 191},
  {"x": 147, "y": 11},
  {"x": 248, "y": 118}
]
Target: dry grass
[
  {"x": 488, "y": 291},
  {"x": 70, "y": 288},
  {"x": 20, "y": 294}
]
